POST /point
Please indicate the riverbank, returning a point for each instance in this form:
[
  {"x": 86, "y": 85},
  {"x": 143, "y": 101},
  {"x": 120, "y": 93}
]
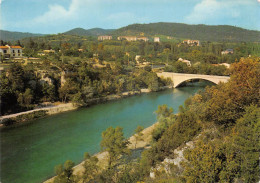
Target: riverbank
[
  {"x": 35, "y": 113},
  {"x": 11, "y": 119},
  {"x": 103, "y": 156}
]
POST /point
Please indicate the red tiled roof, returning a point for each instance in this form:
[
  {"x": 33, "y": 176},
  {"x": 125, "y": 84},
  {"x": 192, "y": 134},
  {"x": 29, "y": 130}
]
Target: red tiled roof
[
  {"x": 15, "y": 46},
  {"x": 3, "y": 47}
]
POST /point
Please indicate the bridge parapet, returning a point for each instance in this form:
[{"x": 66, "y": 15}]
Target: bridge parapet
[{"x": 179, "y": 78}]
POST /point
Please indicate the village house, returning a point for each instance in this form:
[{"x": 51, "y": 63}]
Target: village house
[
  {"x": 46, "y": 52},
  {"x": 225, "y": 64},
  {"x": 187, "y": 62},
  {"x": 11, "y": 51},
  {"x": 137, "y": 57},
  {"x": 128, "y": 38},
  {"x": 156, "y": 39},
  {"x": 227, "y": 51},
  {"x": 104, "y": 37},
  {"x": 143, "y": 38},
  {"x": 192, "y": 42}
]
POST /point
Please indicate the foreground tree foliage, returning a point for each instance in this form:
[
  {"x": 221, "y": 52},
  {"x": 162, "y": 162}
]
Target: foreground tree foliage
[
  {"x": 114, "y": 142},
  {"x": 227, "y": 118},
  {"x": 65, "y": 173}
]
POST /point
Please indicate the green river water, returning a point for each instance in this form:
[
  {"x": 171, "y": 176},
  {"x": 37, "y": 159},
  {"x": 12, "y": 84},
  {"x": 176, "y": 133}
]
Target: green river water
[{"x": 29, "y": 152}]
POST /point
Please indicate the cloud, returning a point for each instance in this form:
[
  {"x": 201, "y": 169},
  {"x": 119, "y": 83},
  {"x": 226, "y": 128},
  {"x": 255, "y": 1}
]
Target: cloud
[
  {"x": 57, "y": 13},
  {"x": 216, "y": 10}
]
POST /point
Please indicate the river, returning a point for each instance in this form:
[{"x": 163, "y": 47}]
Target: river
[{"x": 29, "y": 152}]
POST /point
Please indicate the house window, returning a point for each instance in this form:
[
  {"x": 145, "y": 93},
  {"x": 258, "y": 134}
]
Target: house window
[
  {"x": 18, "y": 54},
  {"x": 13, "y": 55},
  {"x": 13, "y": 51},
  {"x": 18, "y": 51},
  {"x": 5, "y": 51}
]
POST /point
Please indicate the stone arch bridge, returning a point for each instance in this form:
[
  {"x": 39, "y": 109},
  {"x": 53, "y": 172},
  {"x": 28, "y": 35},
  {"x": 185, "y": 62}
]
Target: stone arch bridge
[{"x": 179, "y": 78}]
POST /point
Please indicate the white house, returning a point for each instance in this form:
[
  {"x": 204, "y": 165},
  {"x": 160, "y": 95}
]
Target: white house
[
  {"x": 156, "y": 39},
  {"x": 128, "y": 38},
  {"x": 104, "y": 37},
  {"x": 227, "y": 51},
  {"x": 187, "y": 62},
  {"x": 11, "y": 51},
  {"x": 143, "y": 38},
  {"x": 192, "y": 42}
]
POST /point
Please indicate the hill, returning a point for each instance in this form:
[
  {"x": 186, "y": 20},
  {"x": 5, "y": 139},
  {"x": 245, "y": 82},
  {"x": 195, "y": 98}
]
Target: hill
[
  {"x": 14, "y": 36},
  {"x": 218, "y": 33},
  {"x": 89, "y": 32},
  {"x": 185, "y": 31}
]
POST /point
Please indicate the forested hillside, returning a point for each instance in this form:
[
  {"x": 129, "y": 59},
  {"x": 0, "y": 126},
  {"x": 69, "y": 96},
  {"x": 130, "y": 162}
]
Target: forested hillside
[
  {"x": 13, "y": 36},
  {"x": 200, "y": 32},
  {"x": 89, "y": 32}
]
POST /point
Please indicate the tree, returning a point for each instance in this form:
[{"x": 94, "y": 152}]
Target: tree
[
  {"x": 25, "y": 99},
  {"x": 90, "y": 168},
  {"x": 165, "y": 117},
  {"x": 16, "y": 77},
  {"x": 245, "y": 144},
  {"x": 203, "y": 163},
  {"x": 114, "y": 142},
  {"x": 138, "y": 134},
  {"x": 65, "y": 173}
]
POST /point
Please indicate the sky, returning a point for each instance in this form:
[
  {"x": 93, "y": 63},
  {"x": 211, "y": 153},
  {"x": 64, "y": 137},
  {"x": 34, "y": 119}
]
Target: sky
[{"x": 57, "y": 16}]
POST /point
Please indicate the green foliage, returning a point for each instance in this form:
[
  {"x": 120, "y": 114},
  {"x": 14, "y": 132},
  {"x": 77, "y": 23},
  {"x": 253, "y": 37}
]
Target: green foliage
[
  {"x": 91, "y": 169},
  {"x": 26, "y": 98},
  {"x": 65, "y": 173},
  {"x": 201, "y": 32},
  {"x": 114, "y": 142},
  {"x": 138, "y": 134},
  {"x": 165, "y": 118}
]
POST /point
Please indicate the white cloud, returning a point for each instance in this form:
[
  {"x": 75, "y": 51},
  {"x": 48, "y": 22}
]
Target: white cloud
[
  {"x": 57, "y": 12},
  {"x": 210, "y": 10}
]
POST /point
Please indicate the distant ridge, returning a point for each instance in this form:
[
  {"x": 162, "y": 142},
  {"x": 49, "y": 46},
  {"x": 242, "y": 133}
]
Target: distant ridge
[
  {"x": 89, "y": 32},
  {"x": 177, "y": 30},
  {"x": 14, "y": 36},
  {"x": 201, "y": 32}
]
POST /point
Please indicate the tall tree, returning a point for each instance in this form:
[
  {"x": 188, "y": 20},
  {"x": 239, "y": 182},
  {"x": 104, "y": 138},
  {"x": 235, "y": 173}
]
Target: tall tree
[{"x": 114, "y": 142}]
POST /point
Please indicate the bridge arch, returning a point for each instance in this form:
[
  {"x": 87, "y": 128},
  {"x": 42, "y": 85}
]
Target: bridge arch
[
  {"x": 179, "y": 78},
  {"x": 181, "y": 82}
]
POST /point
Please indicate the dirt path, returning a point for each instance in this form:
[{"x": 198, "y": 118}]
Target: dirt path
[{"x": 50, "y": 110}]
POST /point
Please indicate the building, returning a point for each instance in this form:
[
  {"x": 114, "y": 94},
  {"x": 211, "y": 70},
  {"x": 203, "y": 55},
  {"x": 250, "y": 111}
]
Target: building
[
  {"x": 128, "y": 38},
  {"x": 225, "y": 64},
  {"x": 48, "y": 51},
  {"x": 11, "y": 51},
  {"x": 227, "y": 51},
  {"x": 192, "y": 42},
  {"x": 156, "y": 39},
  {"x": 137, "y": 58},
  {"x": 187, "y": 62},
  {"x": 143, "y": 39},
  {"x": 104, "y": 37}
]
